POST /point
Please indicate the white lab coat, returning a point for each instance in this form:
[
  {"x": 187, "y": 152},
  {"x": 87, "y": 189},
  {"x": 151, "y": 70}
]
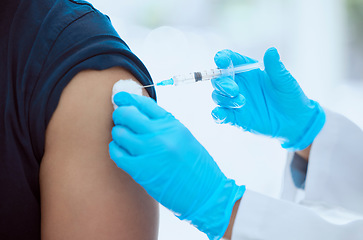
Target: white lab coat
[{"x": 330, "y": 206}]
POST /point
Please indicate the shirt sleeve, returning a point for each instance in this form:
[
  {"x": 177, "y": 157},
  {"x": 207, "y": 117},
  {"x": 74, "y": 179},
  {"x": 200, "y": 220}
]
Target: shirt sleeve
[
  {"x": 85, "y": 40},
  {"x": 299, "y": 167}
]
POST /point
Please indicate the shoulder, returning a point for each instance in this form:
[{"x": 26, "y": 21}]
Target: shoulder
[
  {"x": 85, "y": 105},
  {"x": 39, "y": 27},
  {"x": 70, "y": 37}
]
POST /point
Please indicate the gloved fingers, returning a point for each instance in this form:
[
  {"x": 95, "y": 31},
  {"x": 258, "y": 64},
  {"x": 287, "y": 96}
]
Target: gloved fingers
[
  {"x": 228, "y": 102},
  {"x": 128, "y": 140},
  {"x": 132, "y": 118},
  {"x": 223, "y": 115},
  {"x": 276, "y": 70},
  {"x": 145, "y": 104},
  {"x": 224, "y": 58},
  {"x": 226, "y": 86},
  {"x": 119, "y": 156}
]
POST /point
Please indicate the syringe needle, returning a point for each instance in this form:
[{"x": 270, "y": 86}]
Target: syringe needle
[
  {"x": 151, "y": 85},
  {"x": 162, "y": 83}
]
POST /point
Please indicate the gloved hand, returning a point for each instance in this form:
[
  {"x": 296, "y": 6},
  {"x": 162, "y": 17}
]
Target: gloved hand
[
  {"x": 160, "y": 154},
  {"x": 268, "y": 102}
]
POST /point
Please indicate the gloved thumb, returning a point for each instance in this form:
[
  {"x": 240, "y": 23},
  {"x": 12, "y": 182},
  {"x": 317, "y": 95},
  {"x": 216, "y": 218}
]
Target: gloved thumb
[
  {"x": 281, "y": 78},
  {"x": 227, "y": 58}
]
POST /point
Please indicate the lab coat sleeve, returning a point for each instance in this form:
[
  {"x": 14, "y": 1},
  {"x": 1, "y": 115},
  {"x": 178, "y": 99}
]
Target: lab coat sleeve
[
  {"x": 335, "y": 169},
  {"x": 263, "y": 218},
  {"x": 331, "y": 206}
]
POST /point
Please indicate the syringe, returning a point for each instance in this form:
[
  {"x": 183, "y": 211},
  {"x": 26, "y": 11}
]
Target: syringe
[{"x": 207, "y": 75}]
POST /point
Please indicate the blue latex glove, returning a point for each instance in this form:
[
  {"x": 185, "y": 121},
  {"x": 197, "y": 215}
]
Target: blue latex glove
[
  {"x": 268, "y": 102},
  {"x": 160, "y": 154}
]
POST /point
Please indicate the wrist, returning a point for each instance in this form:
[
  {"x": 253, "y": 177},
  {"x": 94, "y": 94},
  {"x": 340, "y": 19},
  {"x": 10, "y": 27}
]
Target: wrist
[
  {"x": 305, "y": 153},
  {"x": 228, "y": 233}
]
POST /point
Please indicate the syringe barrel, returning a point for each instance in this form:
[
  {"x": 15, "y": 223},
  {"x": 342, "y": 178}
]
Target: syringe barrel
[
  {"x": 184, "y": 79},
  {"x": 196, "y": 76},
  {"x": 212, "y": 73}
]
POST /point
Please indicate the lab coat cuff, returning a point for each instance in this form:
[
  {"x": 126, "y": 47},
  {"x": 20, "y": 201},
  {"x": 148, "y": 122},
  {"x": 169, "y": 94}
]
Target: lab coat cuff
[
  {"x": 260, "y": 217},
  {"x": 249, "y": 222},
  {"x": 334, "y": 162},
  {"x": 320, "y": 170}
]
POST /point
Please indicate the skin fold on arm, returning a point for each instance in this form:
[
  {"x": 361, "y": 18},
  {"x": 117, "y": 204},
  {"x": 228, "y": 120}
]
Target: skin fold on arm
[{"x": 84, "y": 195}]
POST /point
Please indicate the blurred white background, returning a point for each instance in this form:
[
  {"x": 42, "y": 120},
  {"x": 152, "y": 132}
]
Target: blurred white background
[{"x": 320, "y": 42}]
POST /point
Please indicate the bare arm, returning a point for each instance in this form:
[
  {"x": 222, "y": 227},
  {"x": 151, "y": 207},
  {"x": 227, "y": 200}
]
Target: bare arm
[{"x": 84, "y": 195}]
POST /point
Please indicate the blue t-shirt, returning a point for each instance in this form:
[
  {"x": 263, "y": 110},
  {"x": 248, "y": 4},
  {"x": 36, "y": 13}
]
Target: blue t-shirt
[{"x": 43, "y": 45}]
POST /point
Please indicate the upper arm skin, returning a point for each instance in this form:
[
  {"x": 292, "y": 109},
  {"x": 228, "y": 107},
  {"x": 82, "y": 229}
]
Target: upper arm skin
[{"x": 84, "y": 195}]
